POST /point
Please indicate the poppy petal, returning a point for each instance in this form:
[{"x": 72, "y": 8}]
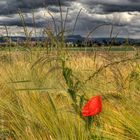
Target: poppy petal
[{"x": 93, "y": 106}]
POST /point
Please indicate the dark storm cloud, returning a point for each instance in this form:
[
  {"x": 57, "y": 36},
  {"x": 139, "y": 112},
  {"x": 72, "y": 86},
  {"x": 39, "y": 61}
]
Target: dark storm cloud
[
  {"x": 94, "y": 13},
  {"x": 13, "y": 6},
  {"x": 109, "y": 6},
  {"x": 28, "y": 23},
  {"x": 120, "y": 8}
]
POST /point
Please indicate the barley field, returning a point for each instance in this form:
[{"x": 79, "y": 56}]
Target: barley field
[{"x": 36, "y": 102}]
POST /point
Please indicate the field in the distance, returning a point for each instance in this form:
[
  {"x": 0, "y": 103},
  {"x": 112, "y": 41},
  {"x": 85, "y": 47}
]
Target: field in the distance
[{"x": 35, "y": 104}]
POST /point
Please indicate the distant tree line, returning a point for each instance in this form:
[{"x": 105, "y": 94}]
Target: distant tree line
[{"x": 93, "y": 43}]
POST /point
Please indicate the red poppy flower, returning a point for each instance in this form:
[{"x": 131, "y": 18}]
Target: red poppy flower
[{"x": 93, "y": 106}]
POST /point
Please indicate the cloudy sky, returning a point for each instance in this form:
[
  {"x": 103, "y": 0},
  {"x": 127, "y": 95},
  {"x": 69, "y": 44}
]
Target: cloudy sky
[{"x": 123, "y": 14}]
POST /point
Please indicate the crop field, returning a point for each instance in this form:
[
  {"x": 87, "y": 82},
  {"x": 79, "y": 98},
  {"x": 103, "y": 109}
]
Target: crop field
[{"x": 42, "y": 94}]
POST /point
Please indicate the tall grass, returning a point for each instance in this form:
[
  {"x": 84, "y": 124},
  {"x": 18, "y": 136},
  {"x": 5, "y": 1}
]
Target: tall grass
[{"x": 35, "y": 104}]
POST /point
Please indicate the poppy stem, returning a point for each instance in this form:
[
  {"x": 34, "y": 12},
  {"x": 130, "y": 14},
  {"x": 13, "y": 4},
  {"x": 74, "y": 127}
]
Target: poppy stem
[{"x": 89, "y": 121}]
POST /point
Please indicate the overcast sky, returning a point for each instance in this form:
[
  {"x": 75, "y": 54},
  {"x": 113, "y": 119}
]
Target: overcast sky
[{"x": 124, "y": 14}]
